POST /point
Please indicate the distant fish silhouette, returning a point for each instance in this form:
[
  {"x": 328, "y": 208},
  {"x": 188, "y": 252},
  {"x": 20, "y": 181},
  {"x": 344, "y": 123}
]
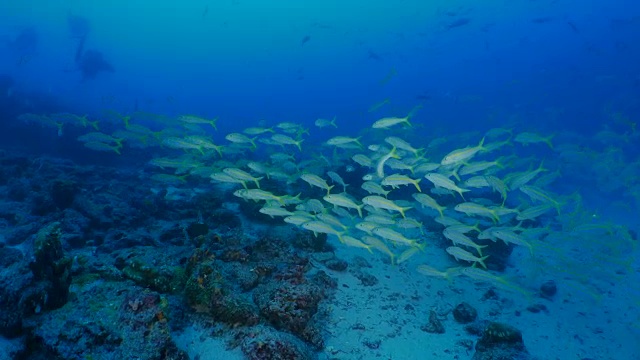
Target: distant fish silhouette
[
  {"x": 92, "y": 63},
  {"x": 573, "y": 27},
  {"x": 205, "y": 12},
  {"x": 374, "y": 56},
  {"x": 542, "y": 20},
  {"x": 457, "y": 23},
  {"x": 305, "y": 40}
]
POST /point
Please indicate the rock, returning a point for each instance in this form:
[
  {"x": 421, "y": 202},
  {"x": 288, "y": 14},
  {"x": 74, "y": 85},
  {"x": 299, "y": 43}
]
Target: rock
[
  {"x": 501, "y": 342},
  {"x": 465, "y": 313},
  {"x": 548, "y": 290},
  {"x": 434, "y": 326},
  {"x": 263, "y": 343},
  {"x": 365, "y": 278},
  {"x": 337, "y": 265},
  {"x": 536, "y": 308}
]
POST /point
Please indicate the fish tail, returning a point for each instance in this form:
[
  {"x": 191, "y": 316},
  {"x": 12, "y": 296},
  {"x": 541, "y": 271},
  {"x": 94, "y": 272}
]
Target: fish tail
[
  {"x": 547, "y": 140},
  {"x": 481, "y": 261},
  {"x": 126, "y": 119},
  {"x": 119, "y": 142},
  {"x": 218, "y": 149},
  {"x": 329, "y": 189},
  {"x": 402, "y": 210}
]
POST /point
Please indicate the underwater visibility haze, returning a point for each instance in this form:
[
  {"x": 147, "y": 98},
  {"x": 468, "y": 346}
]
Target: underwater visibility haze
[{"x": 243, "y": 179}]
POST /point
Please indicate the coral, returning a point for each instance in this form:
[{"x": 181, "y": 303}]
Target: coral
[
  {"x": 500, "y": 342},
  {"x": 465, "y": 313},
  {"x": 51, "y": 268},
  {"x": 265, "y": 344},
  {"x": 434, "y": 325}
]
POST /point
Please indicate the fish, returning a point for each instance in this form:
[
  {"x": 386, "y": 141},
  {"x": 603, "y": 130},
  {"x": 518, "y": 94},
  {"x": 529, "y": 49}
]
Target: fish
[
  {"x": 472, "y": 168},
  {"x": 353, "y": 242},
  {"x": 337, "y": 179},
  {"x": 257, "y": 130},
  {"x": 458, "y": 238},
  {"x": 392, "y": 72},
  {"x": 533, "y": 212},
  {"x": 91, "y": 63},
  {"x": 537, "y": 194},
  {"x": 388, "y": 122},
  {"x": 331, "y": 220},
  {"x": 460, "y": 156},
  {"x": 362, "y": 160},
  {"x": 323, "y": 123},
  {"x": 317, "y": 181},
  {"x": 382, "y": 203},
  {"x": 305, "y": 40},
  {"x": 100, "y": 146},
  {"x": 242, "y": 175},
  {"x": 374, "y": 188},
  {"x": 410, "y": 223},
  {"x": 526, "y": 138},
  {"x": 379, "y": 245},
  {"x": 275, "y": 211},
  {"x": 298, "y": 219},
  {"x": 396, "y": 180},
  {"x": 380, "y": 219},
  {"x": 473, "y": 209},
  {"x": 192, "y": 119},
  {"x": 375, "y": 107},
  {"x": 316, "y": 227},
  {"x": 225, "y": 178},
  {"x": 407, "y": 254},
  {"x": 441, "y": 181},
  {"x": 461, "y": 254},
  {"x": 286, "y": 140},
  {"x": 101, "y": 137},
  {"x": 449, "y": 274},
  {"x": 498, "y": 186},
  {"x": 511, "y": 237},
  {"x": 457, "y": 23},
  {"x": 523, "y": 178},
  {"x": 241, "y": 139},
  {"x": 396, "y": 237},
  {"x": 367, "y": 226},
  {"x": 343, "y": 201},
  {"x": 204, "y": 143},
  {"x": 402, "y": 144},
  {"x": 259, "y": 195},
  {"x": 343, "y": 140},
  {"x": 428, "y": 201},
  {"x": 383, "y": 160},
  {"x": 312, "y": 205}
]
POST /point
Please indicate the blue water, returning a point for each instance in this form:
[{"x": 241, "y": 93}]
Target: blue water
[{"x": 566, "y": 68}]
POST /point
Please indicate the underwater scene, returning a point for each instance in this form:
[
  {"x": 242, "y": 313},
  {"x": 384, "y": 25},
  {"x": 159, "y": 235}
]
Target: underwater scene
[{"x": 244, "y": 179}]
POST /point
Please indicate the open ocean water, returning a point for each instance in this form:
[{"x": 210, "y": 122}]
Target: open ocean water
[{"x": 243, "y": 179}]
